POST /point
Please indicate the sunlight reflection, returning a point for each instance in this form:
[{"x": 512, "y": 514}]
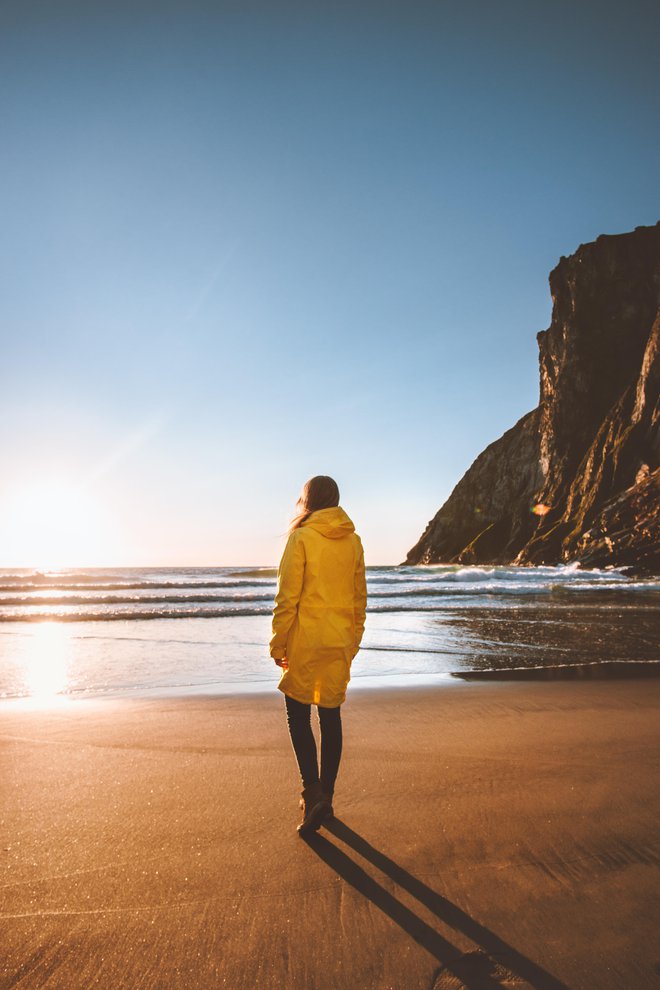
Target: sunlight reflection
[{"x": 47, "y": 661}]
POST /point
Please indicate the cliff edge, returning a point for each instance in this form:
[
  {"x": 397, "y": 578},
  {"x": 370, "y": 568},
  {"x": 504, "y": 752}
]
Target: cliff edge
[{"x": 578, "y": 478}]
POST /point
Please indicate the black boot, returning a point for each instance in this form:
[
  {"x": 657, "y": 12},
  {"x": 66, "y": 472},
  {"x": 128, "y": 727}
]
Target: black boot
[
  {"x": 315, "y": 808},
  {"x": 327, "y": 795}
]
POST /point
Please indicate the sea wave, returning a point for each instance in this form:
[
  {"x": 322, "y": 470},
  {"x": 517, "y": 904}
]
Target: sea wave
[
  {"x": 106, "y": 614},
  {"x": 164, "y": 593},
  {"x": 103, "y": 614},
  {"x": 42, "y": 598},
  {"x": 73, "y": 599},
  {"x": 130, "y": 585}
]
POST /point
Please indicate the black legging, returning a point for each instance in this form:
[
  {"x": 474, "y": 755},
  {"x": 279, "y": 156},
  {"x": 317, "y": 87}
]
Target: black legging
[{"x": 299, "y": 719}]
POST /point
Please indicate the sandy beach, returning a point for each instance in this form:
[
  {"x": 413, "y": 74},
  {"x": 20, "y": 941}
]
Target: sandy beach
[{"x": 499, "y": 835}]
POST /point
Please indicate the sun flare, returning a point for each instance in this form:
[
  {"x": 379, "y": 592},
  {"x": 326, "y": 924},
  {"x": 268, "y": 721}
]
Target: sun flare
[
  {"x": 56, "y": 524},
  {"x": 46, "y": 660}
]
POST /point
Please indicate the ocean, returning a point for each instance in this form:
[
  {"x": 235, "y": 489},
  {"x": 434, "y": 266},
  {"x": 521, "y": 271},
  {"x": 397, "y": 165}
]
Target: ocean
[{"x": 141, "y": 632}]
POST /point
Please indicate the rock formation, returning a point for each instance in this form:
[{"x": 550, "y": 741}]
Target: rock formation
[{"x": 588, "y": 456}]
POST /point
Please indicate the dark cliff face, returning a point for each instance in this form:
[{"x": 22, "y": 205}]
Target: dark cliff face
[
  {"x": 487, "y": 515},
  {"x": 594, "y": 436}
]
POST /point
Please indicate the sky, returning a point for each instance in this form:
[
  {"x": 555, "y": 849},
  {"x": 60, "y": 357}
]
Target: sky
[{"x": 243, "y": 244}]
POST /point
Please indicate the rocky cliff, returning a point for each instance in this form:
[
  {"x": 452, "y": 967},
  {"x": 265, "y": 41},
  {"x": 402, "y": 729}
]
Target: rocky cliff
[{"x": 587, "y": 459}]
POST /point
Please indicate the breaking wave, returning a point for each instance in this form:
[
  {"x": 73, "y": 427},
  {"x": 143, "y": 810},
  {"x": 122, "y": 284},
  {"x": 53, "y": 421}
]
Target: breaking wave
[{"x": 178, "y": 593}]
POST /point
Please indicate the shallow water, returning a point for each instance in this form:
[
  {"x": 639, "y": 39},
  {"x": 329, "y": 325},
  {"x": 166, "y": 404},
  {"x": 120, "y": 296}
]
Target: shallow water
[{"x": 205, "y": 630}]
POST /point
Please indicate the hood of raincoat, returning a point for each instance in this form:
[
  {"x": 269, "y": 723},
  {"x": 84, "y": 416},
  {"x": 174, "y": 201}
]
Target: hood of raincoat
[{"x": 333, "y": 523}]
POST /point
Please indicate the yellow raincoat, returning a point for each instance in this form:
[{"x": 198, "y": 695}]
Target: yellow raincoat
[{"x": 320, "y": 607}]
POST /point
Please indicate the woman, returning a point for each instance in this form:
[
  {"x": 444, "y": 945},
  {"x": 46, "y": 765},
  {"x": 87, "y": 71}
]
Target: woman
[{"x": 318, "y": 623}]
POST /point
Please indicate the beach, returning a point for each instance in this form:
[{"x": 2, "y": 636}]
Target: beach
[{"x": 486, "y": 835}]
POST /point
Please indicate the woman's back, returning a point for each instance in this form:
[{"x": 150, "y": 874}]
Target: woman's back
[
  {"x": 320, "y": 607},
  {"x": 332, "y": 553}
]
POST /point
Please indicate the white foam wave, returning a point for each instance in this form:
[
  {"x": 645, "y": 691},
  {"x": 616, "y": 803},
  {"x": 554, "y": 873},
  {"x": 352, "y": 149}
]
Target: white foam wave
[{"x": 216, "y": 592}]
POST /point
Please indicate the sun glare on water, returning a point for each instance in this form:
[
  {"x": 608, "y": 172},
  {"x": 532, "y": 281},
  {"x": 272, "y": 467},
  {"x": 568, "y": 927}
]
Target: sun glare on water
[
  {"x": 56, "y": 524},
  {"x": 46, "y": 661}
]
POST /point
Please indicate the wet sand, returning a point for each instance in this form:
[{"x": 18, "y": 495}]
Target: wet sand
[{"x": 498, "y": 835}]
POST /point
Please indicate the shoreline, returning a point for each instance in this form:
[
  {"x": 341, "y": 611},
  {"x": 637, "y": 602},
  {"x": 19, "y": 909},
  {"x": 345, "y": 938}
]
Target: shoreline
[
  {"x": 504, "y": 828},
  {"x": 569, "y": 672},
  {"x": 225, "y": 655}
]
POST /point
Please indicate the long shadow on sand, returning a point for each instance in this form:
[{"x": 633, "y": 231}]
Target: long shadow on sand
[{"x": 494, "y": 966}]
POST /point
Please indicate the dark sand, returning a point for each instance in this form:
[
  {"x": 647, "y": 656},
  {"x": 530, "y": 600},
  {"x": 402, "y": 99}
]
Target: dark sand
[{"x": 500, "y": 835}]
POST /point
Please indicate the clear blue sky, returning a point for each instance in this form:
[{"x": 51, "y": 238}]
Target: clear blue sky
[{"x": 247, "y": 243}]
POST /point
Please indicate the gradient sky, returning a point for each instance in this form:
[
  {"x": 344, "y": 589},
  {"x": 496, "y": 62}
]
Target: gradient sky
[{"x": 247, "y": 243}]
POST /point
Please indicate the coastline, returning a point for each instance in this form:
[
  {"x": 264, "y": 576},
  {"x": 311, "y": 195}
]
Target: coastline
[
  {"x": 502, "y": 828},
  {"x": 170, "y": 656}
]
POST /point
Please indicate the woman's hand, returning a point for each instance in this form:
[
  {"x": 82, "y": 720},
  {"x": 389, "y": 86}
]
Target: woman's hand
[{"x": 283, "y": 663}]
